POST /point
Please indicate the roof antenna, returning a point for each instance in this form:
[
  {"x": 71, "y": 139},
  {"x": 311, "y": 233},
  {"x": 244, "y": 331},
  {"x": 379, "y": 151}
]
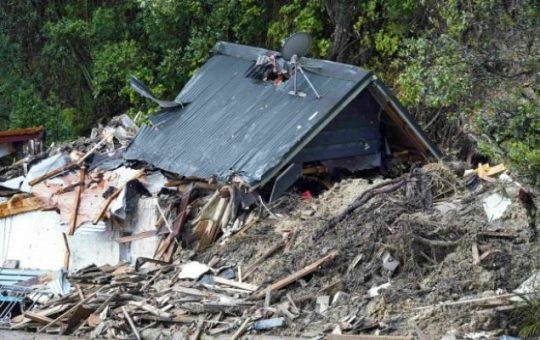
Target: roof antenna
[{"x": 294, "y": 49}]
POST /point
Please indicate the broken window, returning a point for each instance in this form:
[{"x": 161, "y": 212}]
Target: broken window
[{"x": 269, "y": 68}]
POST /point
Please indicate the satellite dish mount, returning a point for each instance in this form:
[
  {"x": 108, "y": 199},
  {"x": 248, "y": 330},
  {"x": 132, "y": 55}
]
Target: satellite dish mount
[{"x": 294, "y": 49}]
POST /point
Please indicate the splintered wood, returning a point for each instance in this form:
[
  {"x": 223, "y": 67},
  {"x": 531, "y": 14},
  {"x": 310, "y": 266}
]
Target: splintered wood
[{"x": 123, "y": 301}]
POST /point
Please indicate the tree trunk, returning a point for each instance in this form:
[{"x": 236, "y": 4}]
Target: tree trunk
[{"x": 341, "y": 12}]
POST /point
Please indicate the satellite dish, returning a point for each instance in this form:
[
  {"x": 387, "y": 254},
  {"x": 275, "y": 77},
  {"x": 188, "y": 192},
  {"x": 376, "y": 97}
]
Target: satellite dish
[
  {"x": 297, "y": 44},
  {"x": 295, "y": 48}
]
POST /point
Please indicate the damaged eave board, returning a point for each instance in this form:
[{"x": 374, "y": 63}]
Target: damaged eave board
[
  {"x": 19, "y": 204},
  {"x": 233, "y": 125}
]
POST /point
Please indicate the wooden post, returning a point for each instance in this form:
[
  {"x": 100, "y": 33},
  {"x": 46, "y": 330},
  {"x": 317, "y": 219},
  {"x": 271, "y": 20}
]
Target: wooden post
[
  {"x": 78, "y": 193},
  {"x": 67, "y": 252}
]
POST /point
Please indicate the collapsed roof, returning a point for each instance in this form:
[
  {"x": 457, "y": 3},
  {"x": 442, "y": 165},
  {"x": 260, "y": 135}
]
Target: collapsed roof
[{"x": 232, "y": 125}]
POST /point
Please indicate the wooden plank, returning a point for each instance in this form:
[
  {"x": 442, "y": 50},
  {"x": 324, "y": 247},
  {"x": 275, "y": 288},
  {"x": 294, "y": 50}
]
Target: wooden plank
[
  {"x": 75, "y": 211},
  {"x": 299, "y": 274},
  {"x": 131, "y": 324},
  {"x": 42, "y": 313},
  {"x": 37, "y": 317},
  {"x": 68, "y": 312},
  {"x": 236, "y": 284},
  {"x": 19, "y": 204},
  {"x": 475, "y": 254},
  {"x": 139, "y": 236},
  {"x": 151, "y": 309},
  {"x": 163, "y": 250},
  {"x": 252, "y": 267},
  {"x": 487, "y": 299},
  {"x": 241, "y": 329},
  {"x": 115, "y": 194},
  {"x": 67, "y": 251}
]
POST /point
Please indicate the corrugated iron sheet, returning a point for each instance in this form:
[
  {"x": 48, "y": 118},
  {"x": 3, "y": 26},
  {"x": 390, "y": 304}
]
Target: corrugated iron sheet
[{"x": 236, "y": 125}]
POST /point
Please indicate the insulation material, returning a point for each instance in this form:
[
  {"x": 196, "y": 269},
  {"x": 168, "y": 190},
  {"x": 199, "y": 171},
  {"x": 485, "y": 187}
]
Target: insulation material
[
  {"x": 35, "y": 239},
  {"x": 495, "y": 205}
]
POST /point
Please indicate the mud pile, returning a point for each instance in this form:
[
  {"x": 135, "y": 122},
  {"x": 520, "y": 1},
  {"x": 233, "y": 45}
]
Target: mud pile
[{"x": 401, "y": 244}]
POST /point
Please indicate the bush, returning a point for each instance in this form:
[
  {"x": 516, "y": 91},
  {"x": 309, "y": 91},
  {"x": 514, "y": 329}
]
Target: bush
[{"x": 509, "y": 131}]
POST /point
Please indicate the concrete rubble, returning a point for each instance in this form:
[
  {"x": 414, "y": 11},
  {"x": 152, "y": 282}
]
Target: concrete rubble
[{"x": 133, "y": 252}]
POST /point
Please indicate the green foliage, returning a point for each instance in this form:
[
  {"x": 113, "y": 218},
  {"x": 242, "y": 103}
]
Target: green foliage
[
  {"x": 301, "y": 16},
  {"x": 509, "y": 130},
  {"x": 526, "y": 317},
  {"x": 458, "y": 65},
  {"x": 435, "y": 75}
]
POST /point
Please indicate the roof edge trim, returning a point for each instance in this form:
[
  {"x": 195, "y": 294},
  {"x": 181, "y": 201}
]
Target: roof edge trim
[{"x": 405, "y": 115}]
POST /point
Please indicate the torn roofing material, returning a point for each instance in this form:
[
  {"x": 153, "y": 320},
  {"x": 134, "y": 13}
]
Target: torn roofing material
[{"x": 236, "y": 126}]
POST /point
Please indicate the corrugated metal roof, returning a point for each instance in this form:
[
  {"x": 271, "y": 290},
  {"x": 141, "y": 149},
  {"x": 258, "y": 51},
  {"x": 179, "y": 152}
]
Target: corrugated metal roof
[{"x": 234, "y": 124}]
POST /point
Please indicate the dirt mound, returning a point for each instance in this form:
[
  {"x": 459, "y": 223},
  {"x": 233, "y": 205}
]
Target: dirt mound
[{"x": 413, "y": 235}]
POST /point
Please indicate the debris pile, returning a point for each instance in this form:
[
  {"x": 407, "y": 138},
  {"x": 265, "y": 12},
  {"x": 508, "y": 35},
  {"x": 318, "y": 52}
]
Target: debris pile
[{"x": 416, "y": 255}]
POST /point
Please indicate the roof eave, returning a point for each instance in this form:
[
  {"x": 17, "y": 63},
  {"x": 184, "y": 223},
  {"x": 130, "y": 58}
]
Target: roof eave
[{"x": 383, "y": 90}]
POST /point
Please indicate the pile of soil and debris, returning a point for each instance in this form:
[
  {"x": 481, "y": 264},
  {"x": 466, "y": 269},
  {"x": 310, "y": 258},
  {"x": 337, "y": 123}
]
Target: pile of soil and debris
[
  {"x": 401, "y": 244},
  {"x": 425, "y": 254}
]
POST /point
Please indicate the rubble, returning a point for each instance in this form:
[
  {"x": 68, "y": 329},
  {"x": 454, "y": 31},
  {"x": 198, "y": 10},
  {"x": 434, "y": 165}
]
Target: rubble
[{"x": 375, "y": 258}]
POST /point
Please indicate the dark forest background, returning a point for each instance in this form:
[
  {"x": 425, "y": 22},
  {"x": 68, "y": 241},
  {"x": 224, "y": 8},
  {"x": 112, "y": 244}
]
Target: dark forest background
[{"x": 467, "y": 69}]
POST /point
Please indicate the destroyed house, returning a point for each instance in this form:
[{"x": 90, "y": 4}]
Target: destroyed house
[{"x": 232, "y": 126}]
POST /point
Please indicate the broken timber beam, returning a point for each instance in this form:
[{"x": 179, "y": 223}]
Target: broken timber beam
[
  {"x": 235, "y": 284},
  {"x": 37, "y": 317},
  {"x": 299, "y": 274},
  {"x": 75, "y": 212},
  {"x": 115, "y": 194},
  {"x": 69, "y": 311},
  {"x": 166, "y": 248},
  {"x": 131, "y": 324},
  {"x": 139, "y": 236},
  {"x": 67, "y": 252}
]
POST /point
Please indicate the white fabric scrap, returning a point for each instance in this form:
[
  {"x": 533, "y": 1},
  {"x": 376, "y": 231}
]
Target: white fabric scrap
[
  {"x": 495, "y": 205},
  {"x": 374, "y": 291},
  {"x": 193, "y": 270},
  {"x": 14, "y": 183}
]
